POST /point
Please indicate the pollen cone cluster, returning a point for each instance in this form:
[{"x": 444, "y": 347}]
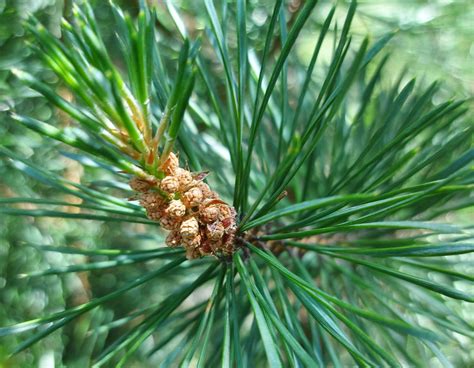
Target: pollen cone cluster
[{"x": 195, "y": 216}]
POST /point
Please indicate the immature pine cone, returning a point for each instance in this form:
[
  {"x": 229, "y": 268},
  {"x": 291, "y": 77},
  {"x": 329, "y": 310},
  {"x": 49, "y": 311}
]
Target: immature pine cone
[
  {"x": 189, "y": 228},
  {"x": 171, "y": 164},
  {"x": 184, "y": 178},
  {"x": 195, "y": 216},
  {"x": 169, "y": 223},
  {"x": 209, "y": 214},
  {"x": 139, "y": 185},
  {"x": 215, "y": 231},
  {"x": 151, "y": 200},
  {"x": 193, "y": 197},
  {"x": 176, "y": 208},
  {"x": 194, "y": 242},
  {"x": 206, "y": 191},
  {"x": 173, "y": 239},
  {"x": 169, "y": 184}
]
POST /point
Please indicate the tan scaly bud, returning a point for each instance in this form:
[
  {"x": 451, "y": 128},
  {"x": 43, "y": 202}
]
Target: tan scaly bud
[
  {"x": 151, "y": 200},
  {"x": 225, "y": 212},
  {"x": 193, "y": 242},
  {"x": 139, "y": 185},
  {"x": 209, "y": 214},
  {"x": 205, "y": 248},
  {"x": 154, "y": 214},
  {"x": 171, "y": 164},
  {"x": 169, "y": 223},
  {"x": 206, "y": 191},
  {"x": 189, "y": 228},
  {"x": 193, "y": 197},
  {"x": 173, "y": 239},
  {"x": 184, "y": 178},
  {"x": 169, "y": 184},
  {"x": 215, "y": 231},
  {"x": 176, "y": 209}
]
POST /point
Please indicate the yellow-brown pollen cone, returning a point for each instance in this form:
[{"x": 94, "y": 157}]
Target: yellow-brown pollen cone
[{"x": 193, "y": 213}]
